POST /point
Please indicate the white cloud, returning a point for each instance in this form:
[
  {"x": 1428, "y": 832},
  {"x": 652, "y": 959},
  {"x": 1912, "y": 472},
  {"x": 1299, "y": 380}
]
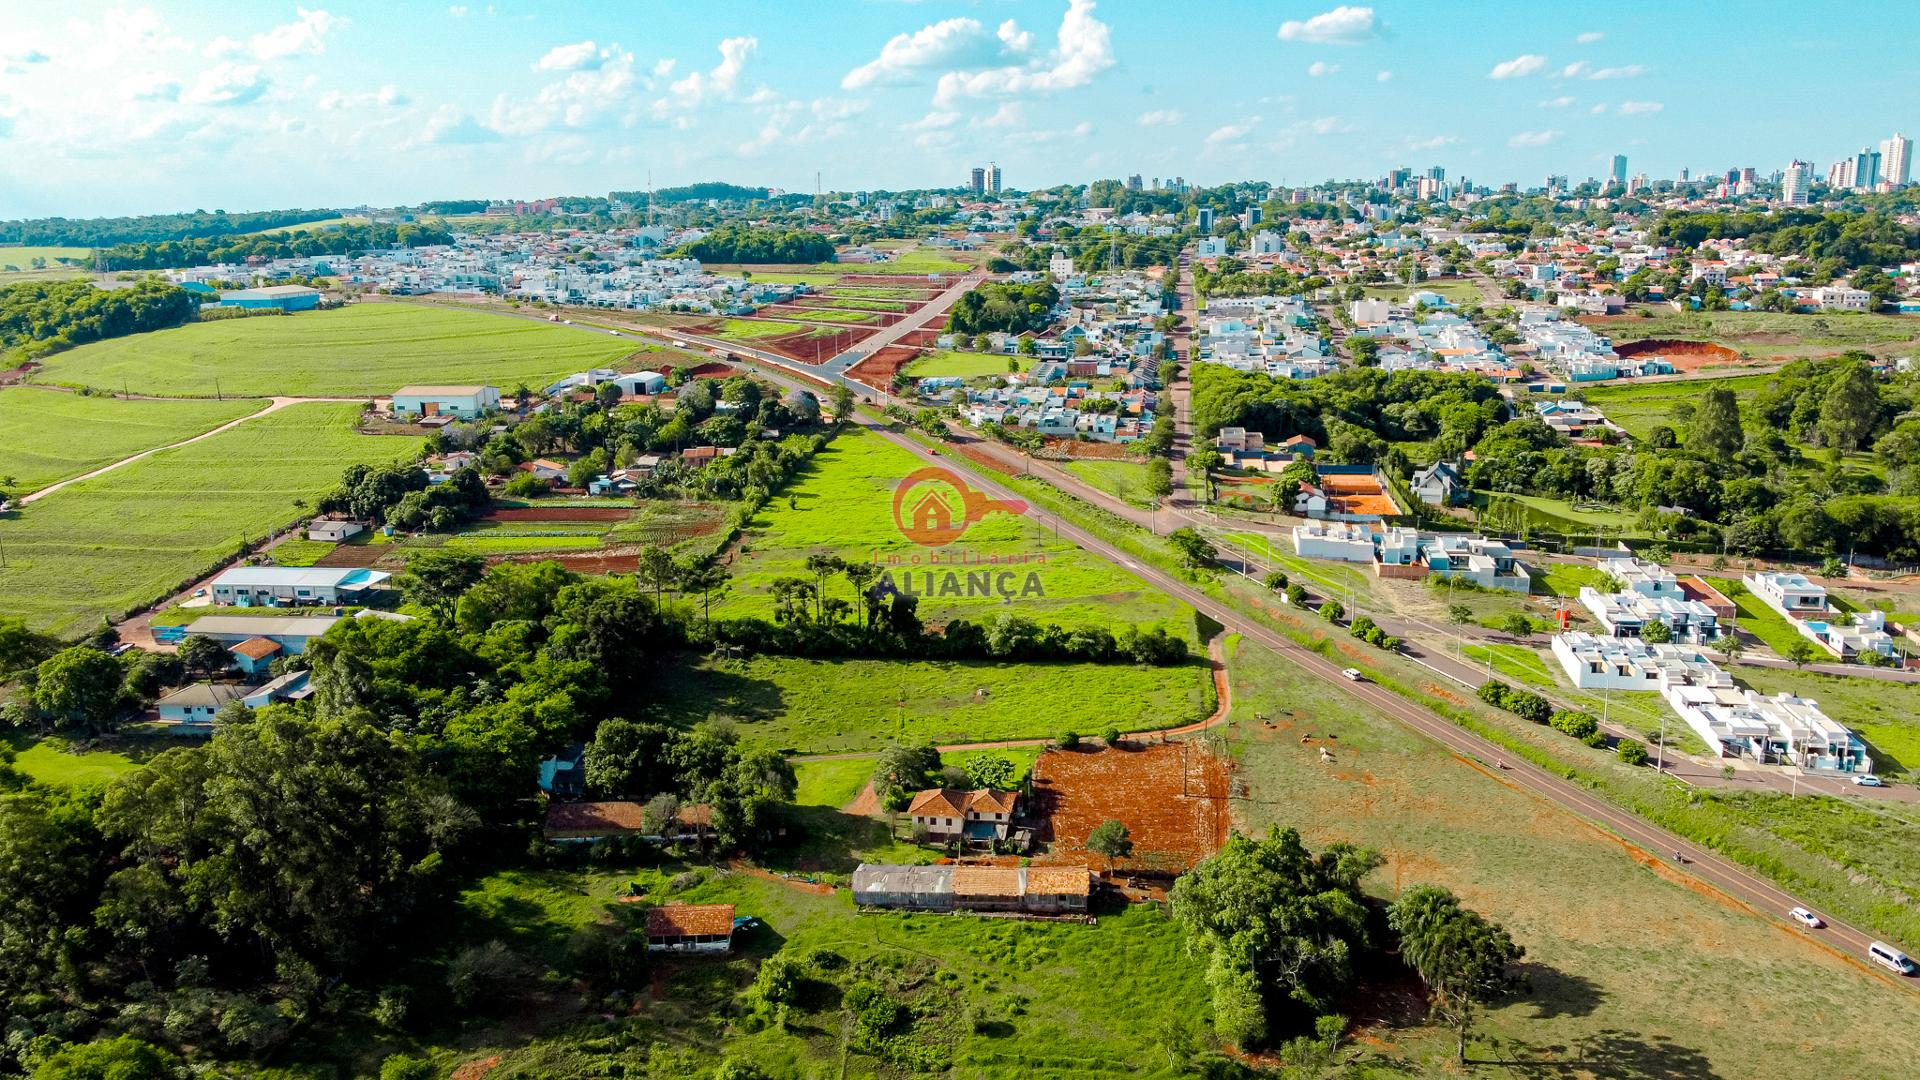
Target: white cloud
[
  {"x": 1384, "y": 76},
  {"x": 1320, "y": 68},
  {"x": 450, "y": 126},
  {"x": 228, "y": 84},
  {"x": 934, "y": 140},
  {"x": 1230, "y": 133},
  {"x": 933, "y": 121},
  {"x": 1599, "y": 109},
  {"x": 387, "y": 97},
  {"x": 699, "y": 87},
  {"x": 1589, "y": 37},
  {"x": 595, "y": 90},
  {"x": 1083, "y": 49},
  {"x": 1160, "y": 118},
  {"x": 1009, "y": 114},
  {"x": 1560, "y": 102},
  {"x": 1534, "y": 138},
  {"x": 581, "y": 56},
  {"x": 1640, "y": 108},
  {"x": 1343, "y": 25},
  {"x": 1433, "y": 143},
  {"x": 458, "y": 11},
  {"x": 306, "y": 34},
  {"x": 793, "y": 122},
  {"x": 1014, "y": 38},
  {"x": 150, "y": 86},
  {"x": 1625, "y": 71},
  {"x": 943, "y": 44},
  {"x": 1518, "y": 67}
]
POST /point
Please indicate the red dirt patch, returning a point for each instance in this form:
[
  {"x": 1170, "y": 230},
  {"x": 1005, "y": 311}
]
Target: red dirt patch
[
  {"x": 624, "y": 561},
  {"x": 1683, "y": 355},
  {"x": 1172, "y": 797},
  {"x": 865, "y": 804},
  {"x": 560, "y": 513},
  {"x": 972, "y": 452},
  {"x": 474, "y": 1070},
  {"x": 353, "y": 555},
  {"x": 878, "y": 370}
]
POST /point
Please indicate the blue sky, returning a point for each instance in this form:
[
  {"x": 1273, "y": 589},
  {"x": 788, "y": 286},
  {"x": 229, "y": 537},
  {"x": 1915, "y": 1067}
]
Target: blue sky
[{"x": 132, "y": 108}]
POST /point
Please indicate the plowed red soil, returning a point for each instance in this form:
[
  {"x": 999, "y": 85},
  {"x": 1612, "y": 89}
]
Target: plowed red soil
[
  {"x": 1684, "y": 355},
  {"x": 877, "y": 370},
  {"x": 1172, "y": 797}
]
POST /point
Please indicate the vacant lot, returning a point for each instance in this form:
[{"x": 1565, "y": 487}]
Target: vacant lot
[
  {"x": 1124, "y": 480},
  {"x": 47, "y": 436},
  {"x": 1639, "y": 407},
  {"x": 1765, "y": 333},
  {"x": 20, "y": 259},
  {"x": 963, "y": 365},
  {"x": 842, "y": 504},
  {"x": 1885, "y": 714},
  {"x": 825, "y": 706},
  {"x": 124, "y": 539},
  {"x": 1611, "y": 997},
  {"x": 361, "y": 351},
  {"x": 53, "y": 762},
  {"x": 1174, "y": 799}
]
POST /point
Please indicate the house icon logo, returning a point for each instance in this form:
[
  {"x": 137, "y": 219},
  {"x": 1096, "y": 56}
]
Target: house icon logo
[{"x": 933, "y": 506}]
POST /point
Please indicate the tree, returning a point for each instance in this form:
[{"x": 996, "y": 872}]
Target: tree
[
  {"x": 1333, "y": 611},
  {"x": 1729, "y": 645},
  {"x": 657, "y": 569},
  {"x": 1850, "y": 409},
  {"x": 629, "y": 760},
  {"x": 1517, "y": 624},
  {"x": 1800, "y": 652},
  {"x": 1459, "y": 614},
  {"x": 1656, "y": 633},
  {"x": 124, "y": 1058},
  {"x": 1159, "y": 478},
  {"x": 79, "y": 687},
  {"x": 1193, "y": 549},
  {"x": 1464, "y": 958},
  {"x": 842, "y": 398},
  {"x": 1631, "y": 751},
  {"x": 436, "y": 579},
  {"x": 1111, "y": 841},
  {"x": 902, "y": 769},
  {"x": 1715, "y": 428}
]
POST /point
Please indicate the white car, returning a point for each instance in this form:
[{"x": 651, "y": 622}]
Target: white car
[
  {"x": 1353, "y": 674},
  {"x": 1868, "y": 780},
  {"x": 1806, "y": 918}
]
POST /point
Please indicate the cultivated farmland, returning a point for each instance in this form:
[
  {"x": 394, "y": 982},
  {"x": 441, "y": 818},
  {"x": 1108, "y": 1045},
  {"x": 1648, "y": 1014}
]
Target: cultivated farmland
[
  {"x": 825, "y": 706},
  {"x": 116, "y": 542},
  {"x": 361, "y": 351},
  {"x": 842, "y": 503},
  {"x": 47, "y": 436}
]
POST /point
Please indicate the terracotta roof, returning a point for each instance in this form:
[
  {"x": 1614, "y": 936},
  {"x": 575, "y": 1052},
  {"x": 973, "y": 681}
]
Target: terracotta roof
[
  {"x": 695, "y": 814},
  {"x": 689, "y": 920},
  {"x": 935, "y": 802},
  {"x": 953, "y": 802},
  {"x": 593, "y": 818},
  {"x": 256, "y": 648},
  {"x": 1058, "y": 881},
  {"x": 986, "y": 881},
  {"x": 989, "y": 801}
]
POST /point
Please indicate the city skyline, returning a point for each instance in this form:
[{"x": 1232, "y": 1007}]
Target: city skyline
[{"x": 119, "y": 109}]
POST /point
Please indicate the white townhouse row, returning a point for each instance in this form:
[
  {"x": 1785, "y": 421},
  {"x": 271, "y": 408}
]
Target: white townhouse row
[
  {"x": 1805, "y": 606},
  {"x": 1404, "y": 552}
]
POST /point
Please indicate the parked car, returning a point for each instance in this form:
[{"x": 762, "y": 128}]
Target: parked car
[
  {"x": 1353, "y": 674},
  {"x": 1806, "y": 918},
  {"x": 1868, "y": 780},
  {"x": 1891, "y": 958}
]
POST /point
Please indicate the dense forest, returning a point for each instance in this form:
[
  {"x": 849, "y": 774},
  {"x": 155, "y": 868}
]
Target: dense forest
[
  {"x": 39, "y": 318},
  {"x": 1839, "y": 241},
  {"x": 151, "y": 228},
  {"x": 455, "y": 206},
  {"x": 339, "y": 241},
  {"x": 737, "y": 244},
  {"x": 711, "y": 189},
  {"x": 1015, "y": 309}
]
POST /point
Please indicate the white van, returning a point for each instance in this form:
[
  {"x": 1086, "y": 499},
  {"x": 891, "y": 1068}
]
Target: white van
[{"x": 1891, "y": 958}]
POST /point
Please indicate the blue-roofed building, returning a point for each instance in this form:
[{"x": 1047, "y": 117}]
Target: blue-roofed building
[
  {"x": 284, "y": 297},
  {"x": 564, "y": 775}
]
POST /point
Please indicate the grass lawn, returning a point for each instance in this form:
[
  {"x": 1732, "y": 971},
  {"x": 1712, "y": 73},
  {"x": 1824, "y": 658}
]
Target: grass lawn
[
  {"x": 300, "y": 551},
  {"x": 1639, "y": 407},
  {"x": 362, "y": 350},
  {"x": 749, "y": 329},
  {"x": 46, "y": 436},
  {"x": 1045, "y": 992},
  {"x": 842, "y": 503},
  {"x": 963, "y": 365},
  {"x": 1456, "y": 290},
  {"x": 49, "y": 761},
  {"x": 1125, "y": 480},
  {"x": 19, "y": 259},
  {"x": 309, "y": 226},
  {"x": 831, "y": 315},
  {"x": 1765, "y": 333},
  {"x": 831, "y": 706},
  {"x": 1757, "y": 618},
  {"x": 1566, "y": 579},
  {"x": 1320, "y": 576},
  {"x": 122, "y": 540},
  {"x": 1514, "y": 663},
  {"x": 1562, "y": 516},
  {"x": 1885, "y": 714},
  {"x": 1578, "y": 899},
  {"x": 842, "y": 302},
  {"x": 906, "y": 262}
]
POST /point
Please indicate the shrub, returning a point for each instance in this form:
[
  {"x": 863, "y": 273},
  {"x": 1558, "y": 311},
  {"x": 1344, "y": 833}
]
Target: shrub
[
  {"x": 1110, "y": 736},
  {"x": 1580, "y": 725},
  {"x": 1494, "y": 692},
  {"x": 405, "y": 1067},
  {"x": 1277, "y": 581},
  {"x": 1632, "y": 751},
  {"x": 1067, "y": 740},
  {"x": 1529, "y": 706},
  {"x": 1296, "y": 596},
  {"x": 1332, "y": 611}
]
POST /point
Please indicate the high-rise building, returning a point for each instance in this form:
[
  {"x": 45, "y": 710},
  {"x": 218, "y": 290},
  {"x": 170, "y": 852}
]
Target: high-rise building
[
  {"x": 1840, "y": 174},
  {"x": 1400, "y": 178},
  {"x": 1794, "y": 183},
  {"x": 1686, "y": 176},
  {"x": 1866, "y": 169},
  {"x": 1205, "y": 223},
  {"x": 1896, "y": 161},
  {"x": 1134, "y": 183},
  {"x": 1747, "y": 176},
  {"x": 993, "y": 178},
  {"x": 1437, "y": 174},
  {"x": 1620, "y": 169},
  {"x": 1638, "y": 184},
  {"x": 979, "y": 182}
]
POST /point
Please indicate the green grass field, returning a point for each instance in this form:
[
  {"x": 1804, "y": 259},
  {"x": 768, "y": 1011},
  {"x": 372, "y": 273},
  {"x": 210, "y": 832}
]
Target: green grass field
[
  {"x": 859, "y": 303},
  {"x": 1885, "y": 714},
  {"x": 47, "y": 436},
  {"x": 1322, "y": 576},
  {"x": 1607, "y": 992},
  {"x": 835, "y": 782},
  {"x": 963, "y": 365},
  {"x": 830, "y": 315},
  {"x": 309, "y": 226},
  {"x": 842, "y": 503},
  {"x": 1639, "y": 407},
  {"x": 1125, "y": 480},
  {"x": 1766, "y": 333},
  {"x": 363, "y": 350},
  {"x": 1457, "y": 290},
  {"x": 1757, "y": 618},
  {"x": 121, "y": 540},
  {"x": 19, "y": 259},
  {"x": 1567, "y": 579},
  {"x": 832, "y": 706},
  {"x": 51, "y": 762}
]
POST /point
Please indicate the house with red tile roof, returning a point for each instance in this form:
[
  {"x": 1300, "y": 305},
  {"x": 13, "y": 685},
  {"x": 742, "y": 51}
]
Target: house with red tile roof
[
  {"x": 952, "y": 814},
  {"x": 690, "y": 928}
]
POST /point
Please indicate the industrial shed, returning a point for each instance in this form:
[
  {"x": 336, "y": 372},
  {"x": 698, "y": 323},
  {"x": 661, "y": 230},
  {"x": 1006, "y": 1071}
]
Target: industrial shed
[{"x": 924, "y": 888}]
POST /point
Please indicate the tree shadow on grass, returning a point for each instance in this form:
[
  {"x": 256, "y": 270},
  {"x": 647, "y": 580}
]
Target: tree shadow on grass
[
  {"x": 824, "y": 839},
  {"x": 689, "y": 692},
  {"x": 1555, "y": 993},
  {"x": 1618, "y": 1055}
]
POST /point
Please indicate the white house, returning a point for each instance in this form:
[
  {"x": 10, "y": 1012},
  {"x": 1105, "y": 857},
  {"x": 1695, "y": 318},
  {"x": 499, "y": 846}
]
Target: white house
[
  {"x": 463, "y": 402},
  {"x": 333, "y": 529},
  {"x": 1627, "y": 614},
  {"x": 1791, "y": 595},
  {"x": 690, "y": 928},
  {"x": 641, "y": 382},
  {"x": 1340, "y": 540},
  {"x": 248, "y": 586}
]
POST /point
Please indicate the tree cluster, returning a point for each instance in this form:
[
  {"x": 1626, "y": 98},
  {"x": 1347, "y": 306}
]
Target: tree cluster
[
  {"x": 1007, "y": 307},
  {"x": 740, "y": 244},
  {"x": 43, "y": 317},
  {"x": 149, "y": 228},
  {"x": 342, "y": 240}
]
